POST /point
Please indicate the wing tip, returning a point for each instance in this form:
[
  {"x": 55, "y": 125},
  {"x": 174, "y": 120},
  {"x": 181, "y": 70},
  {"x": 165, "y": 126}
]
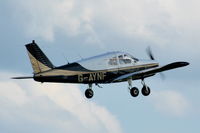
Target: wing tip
[{"x": 183, "y": 63}]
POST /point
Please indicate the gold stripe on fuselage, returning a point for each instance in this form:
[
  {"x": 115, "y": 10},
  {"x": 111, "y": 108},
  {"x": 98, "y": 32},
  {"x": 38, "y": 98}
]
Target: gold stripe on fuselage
[{"x": 59, "y": 72}]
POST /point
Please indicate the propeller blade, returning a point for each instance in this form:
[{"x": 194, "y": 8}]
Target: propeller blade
[
  {"x": 149, "y": 53},
  {"x": 162, "y": 76}
]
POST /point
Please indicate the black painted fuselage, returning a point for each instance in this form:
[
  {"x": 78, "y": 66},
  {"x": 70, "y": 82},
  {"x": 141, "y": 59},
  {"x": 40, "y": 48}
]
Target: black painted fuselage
[{"x": 75, "y": 73}]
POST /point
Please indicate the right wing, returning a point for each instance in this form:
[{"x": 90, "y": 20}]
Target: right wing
[{"x": 149, "y": 72}]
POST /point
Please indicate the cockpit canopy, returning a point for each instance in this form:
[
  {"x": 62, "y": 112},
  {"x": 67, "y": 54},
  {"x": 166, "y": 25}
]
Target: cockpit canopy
[
  {"x": 108, "y": 61},
  {"x": 123, "y": 59}
]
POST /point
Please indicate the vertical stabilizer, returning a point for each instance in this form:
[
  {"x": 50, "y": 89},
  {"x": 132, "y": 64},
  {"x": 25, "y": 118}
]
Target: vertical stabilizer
[{"x": 39, "y": 60}]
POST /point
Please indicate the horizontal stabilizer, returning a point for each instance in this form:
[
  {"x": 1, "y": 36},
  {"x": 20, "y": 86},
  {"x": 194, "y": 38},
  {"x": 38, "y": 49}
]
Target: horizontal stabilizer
[{"x": 22, "y": 77}]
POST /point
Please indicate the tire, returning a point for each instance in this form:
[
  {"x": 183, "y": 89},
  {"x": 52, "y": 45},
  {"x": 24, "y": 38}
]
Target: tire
[
  {"x": 89, "y": 93},
  {"x": 146, "y": 91},
  {"x": 134, "y": 92}
]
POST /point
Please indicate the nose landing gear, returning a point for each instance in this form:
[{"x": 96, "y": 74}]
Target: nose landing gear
[{"x": 145, "y": 89}]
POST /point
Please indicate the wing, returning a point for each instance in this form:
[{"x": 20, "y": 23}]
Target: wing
[{"x": 150, "y": 72}]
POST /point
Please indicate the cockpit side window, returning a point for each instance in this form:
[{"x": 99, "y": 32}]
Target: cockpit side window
[
  {"x": 124, "y": 59},
  {"x": 121, "y": 60},
  {"x": 133, "y": 58},
  {"x": 112, "y": 61}
]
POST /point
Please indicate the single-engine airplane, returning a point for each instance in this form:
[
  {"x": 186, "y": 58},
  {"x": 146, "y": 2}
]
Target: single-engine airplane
[{"x": 106, "y": 68}]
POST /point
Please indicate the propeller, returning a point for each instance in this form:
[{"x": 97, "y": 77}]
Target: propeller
[
  {"x": 162, "y": 76},
  {"x": 149, "y": 53},
  {"x": 151, "y": 56}
]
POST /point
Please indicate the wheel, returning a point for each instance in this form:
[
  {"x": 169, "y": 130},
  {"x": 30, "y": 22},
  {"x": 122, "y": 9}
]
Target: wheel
[
  {"x": 146, "y": 90},
  {"x": 89, "y": 93},
  {"x": 134, "y": 91}
]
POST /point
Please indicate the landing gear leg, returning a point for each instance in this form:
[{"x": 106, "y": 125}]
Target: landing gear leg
[
  {"x": 133, "y": 90},
  {"x": 89, "y": 92},
  {"x": 129, "y": 84},
  {"x": 145, "y": 89}
]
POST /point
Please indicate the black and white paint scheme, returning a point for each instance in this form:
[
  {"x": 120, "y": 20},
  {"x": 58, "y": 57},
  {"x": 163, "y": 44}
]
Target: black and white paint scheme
[{"x": 106, "y": 68}]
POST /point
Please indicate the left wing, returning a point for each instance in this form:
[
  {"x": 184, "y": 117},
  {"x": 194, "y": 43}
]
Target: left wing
[{"x": 150, "y": 72}]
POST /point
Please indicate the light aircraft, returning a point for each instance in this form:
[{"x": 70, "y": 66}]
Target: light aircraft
[{"x": 106, "y": 68}]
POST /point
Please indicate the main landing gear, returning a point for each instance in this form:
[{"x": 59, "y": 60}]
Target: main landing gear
[
  {"x": 134, "y": 91},
  {"x": 89, "y": 92}
]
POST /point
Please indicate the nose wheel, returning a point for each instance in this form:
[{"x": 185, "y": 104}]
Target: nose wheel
[{"x": 145, "y": 90}]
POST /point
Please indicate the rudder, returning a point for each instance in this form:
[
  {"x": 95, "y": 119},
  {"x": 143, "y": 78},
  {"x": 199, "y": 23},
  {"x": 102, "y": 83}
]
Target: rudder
[{"x": 39, "y": 60}]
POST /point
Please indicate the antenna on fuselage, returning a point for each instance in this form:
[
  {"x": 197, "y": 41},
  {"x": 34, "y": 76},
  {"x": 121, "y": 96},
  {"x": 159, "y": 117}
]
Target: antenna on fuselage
[
  {"x": 65, "y": 58},
  {"x": 80, "y": 56}
]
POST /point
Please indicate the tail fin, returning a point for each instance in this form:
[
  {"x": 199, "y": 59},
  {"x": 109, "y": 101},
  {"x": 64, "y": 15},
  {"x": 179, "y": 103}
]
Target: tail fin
[{"x": 39, "y": 60}]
